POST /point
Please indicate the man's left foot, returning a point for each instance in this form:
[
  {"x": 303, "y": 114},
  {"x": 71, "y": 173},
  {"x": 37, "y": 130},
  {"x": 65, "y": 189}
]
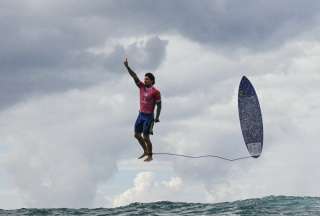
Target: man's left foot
[{"x": 143, "y": 155}]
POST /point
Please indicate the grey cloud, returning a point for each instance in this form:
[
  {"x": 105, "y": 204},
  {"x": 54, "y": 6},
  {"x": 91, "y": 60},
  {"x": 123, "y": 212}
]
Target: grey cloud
[
  {"x": 44, "y": 44},
  {"x": 230, "y": 24},
  {"x": 49, "y": 54},
  {"x": 44, "y": 51},
  {"x": 142, "y": 55},
  {"x": 148, "y": 55}
]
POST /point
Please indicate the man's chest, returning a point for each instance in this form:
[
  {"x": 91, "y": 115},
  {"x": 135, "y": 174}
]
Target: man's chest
[{"x": 147, "y": 94}]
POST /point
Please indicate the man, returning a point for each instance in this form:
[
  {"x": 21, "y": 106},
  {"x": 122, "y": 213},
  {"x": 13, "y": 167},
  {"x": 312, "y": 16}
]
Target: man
[{"x": 149, "y": 98}]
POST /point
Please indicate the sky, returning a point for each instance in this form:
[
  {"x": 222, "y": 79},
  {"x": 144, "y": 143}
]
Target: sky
[{"x": 68, "y": 105}]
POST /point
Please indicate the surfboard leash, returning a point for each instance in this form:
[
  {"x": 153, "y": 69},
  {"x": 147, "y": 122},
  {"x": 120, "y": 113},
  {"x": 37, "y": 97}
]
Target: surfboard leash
[{"x": 201, "y": 156}]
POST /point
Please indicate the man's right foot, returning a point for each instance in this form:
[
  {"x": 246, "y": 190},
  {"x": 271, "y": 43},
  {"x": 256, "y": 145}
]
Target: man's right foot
[
  {"x": 149, "y": 158},
  {"x": 143, "y": 155}
]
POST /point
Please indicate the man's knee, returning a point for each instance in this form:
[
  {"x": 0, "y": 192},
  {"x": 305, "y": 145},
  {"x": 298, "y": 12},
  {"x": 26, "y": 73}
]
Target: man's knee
[
  {"x": 137, "y": 135},
  {"x": 146, "y": 137}
]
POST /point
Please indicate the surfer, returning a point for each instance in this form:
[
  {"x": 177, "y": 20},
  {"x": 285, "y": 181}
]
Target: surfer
[{"x": 149, "y": 98}]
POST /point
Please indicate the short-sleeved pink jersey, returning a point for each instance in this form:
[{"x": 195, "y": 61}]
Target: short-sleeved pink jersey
[{"x": 149, "y": 96}]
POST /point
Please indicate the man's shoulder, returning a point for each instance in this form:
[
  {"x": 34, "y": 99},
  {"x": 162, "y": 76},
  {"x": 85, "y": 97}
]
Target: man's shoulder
[
  {"x": 140, "y": 84},
  {"x": 155, "y": 89},
  {"x": 156, "y": 93}
]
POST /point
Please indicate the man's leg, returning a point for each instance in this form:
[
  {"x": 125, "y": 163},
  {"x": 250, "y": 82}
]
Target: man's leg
[
  {"x": 147, "y": 140},
  {"x": 138, "y": 128},
  {"x": 142, "y": 143}
]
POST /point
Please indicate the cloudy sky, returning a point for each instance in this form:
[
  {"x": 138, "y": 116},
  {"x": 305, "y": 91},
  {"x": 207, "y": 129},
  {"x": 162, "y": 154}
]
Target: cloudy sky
[{"x": 68, "y": 105}]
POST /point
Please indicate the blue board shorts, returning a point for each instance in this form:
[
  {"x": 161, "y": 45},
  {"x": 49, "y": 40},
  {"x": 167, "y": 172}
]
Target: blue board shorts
[{"x": 144, "y": 123}]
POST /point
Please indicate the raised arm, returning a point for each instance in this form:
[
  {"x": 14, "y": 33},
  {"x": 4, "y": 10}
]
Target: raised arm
[{"x": 132, "y": 73}]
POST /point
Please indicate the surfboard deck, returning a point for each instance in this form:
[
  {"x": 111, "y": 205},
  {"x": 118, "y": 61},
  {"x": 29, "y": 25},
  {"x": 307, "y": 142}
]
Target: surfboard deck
[{"x": 250, "y": 117}]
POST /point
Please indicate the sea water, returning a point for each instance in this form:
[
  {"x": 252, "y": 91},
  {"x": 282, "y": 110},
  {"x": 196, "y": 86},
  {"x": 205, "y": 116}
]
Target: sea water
[{"x": 271, "y": 205}]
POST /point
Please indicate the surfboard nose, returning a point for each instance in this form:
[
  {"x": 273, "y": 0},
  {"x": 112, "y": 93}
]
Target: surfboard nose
[{"x": 245, "y": 88}]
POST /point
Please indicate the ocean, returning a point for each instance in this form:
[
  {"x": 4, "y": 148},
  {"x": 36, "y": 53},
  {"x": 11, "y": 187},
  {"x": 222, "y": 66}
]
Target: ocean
[{"x": 271, "y": 205}]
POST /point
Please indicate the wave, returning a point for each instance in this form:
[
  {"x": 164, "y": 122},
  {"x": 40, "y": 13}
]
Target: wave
[{"x": 271, "y": 205}]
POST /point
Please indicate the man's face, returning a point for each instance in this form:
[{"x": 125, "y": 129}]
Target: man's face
[{"x": 147, "y": 81}]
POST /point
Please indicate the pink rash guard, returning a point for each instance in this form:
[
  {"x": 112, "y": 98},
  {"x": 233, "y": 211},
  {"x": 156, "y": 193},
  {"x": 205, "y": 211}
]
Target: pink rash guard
[{"x": 149, "y": 96}]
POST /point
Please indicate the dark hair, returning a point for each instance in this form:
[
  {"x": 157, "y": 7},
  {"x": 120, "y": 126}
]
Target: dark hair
[{"x": 151, "y": 76}]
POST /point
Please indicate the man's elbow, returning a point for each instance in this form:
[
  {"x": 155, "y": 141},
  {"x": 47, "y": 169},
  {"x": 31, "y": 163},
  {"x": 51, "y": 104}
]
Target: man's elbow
[{"x": 159, "y": 104}]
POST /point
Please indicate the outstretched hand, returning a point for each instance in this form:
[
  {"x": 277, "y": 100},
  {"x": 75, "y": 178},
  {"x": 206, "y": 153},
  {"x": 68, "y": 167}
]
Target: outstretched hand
[{"x": 126, "y": 63}]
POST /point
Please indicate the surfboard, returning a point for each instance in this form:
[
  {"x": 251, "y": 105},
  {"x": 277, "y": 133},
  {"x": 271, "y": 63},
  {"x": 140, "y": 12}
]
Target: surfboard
[{"x": 250, "y": 117}]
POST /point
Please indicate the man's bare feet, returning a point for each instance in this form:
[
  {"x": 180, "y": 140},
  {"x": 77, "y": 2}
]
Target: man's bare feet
[
  {"x": 149, "y": 158},
  {"x": 143, "y": 155}
]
